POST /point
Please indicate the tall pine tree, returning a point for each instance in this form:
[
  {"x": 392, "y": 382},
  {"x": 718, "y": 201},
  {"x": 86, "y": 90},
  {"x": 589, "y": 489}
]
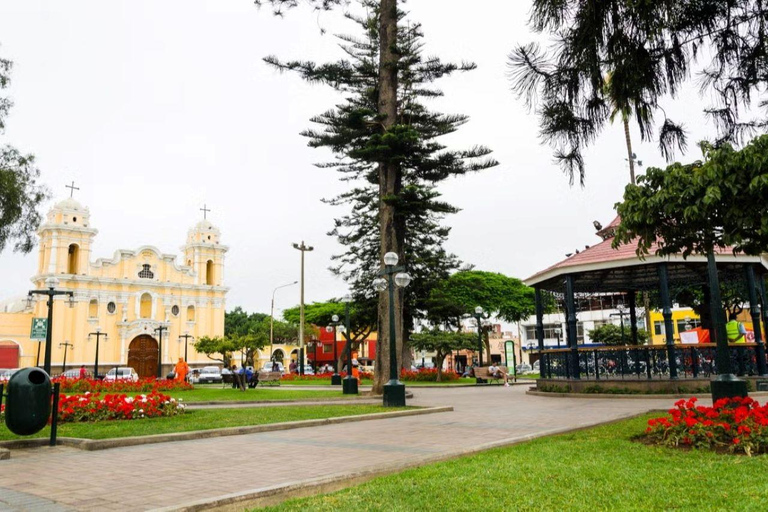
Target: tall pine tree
[
  {"x": 353, "y": 131},
  {"x": 388, "y": 165}
]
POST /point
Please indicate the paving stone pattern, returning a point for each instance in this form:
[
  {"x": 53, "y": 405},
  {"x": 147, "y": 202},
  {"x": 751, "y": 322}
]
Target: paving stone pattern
[{"x": 162, "y": 475}]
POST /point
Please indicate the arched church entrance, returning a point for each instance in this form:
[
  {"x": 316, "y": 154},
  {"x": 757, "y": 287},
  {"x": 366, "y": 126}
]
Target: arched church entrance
[
  {"x": 278, "y": 356},
  {"x": 9, "y": 354},
  {"x": 142, "y": 356}
]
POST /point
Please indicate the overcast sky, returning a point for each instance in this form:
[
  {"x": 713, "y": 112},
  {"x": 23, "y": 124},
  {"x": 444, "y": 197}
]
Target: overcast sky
[{"x": 157, "y": 107}]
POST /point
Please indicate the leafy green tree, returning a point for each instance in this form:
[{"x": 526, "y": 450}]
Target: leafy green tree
[
  {"x": 442, "y": 343},
  {"x": 503, "y": 297},
  {"x": 245, "y": 333},
  {"x": 610, "y": 334},
  {"x": 20, "y": 193},
  {"x": 393, "y": 159},
  {"x": 320, "y": 314},
  {"x": 649, "y": 50},
  {"x": 698, "y": 207}
]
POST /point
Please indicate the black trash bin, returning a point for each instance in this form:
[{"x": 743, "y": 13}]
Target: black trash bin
[{"x": 28, "y": 405}]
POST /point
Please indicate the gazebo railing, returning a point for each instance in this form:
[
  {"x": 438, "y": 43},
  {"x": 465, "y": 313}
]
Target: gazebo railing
[{"x": 646, "y": 361}]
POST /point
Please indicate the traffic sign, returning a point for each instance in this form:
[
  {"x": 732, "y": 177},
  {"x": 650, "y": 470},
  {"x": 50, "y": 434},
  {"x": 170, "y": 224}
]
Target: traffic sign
[{"x": 39, "y": 329}]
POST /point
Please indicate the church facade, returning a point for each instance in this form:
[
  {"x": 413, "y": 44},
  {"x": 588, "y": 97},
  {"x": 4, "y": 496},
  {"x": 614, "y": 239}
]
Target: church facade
[{"x": 145, "y": 304}]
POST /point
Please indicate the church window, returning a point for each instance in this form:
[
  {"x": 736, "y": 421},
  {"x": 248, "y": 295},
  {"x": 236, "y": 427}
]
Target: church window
[
  {"x": 111, "y": 308},
  {"x": 145, "y": 272},
  {"x": 74, "y": 256},
  {"x": 209, "y": 273},
  {"x": 145, "y": 311},
  {"x": 93, "y": 308},
  {"x": 191, "y": 314},
  {"x": 175, "y": 310},
  {"x": 74, "y": 219}
]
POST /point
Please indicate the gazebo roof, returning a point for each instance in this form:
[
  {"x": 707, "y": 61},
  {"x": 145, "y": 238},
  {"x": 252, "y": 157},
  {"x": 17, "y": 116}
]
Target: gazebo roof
[{"x": 602, "y": 268}]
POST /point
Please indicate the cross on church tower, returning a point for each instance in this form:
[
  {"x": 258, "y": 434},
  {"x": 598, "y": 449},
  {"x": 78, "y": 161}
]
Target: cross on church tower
[
  {"x": 205, "y": 211},
  {"x": 71, "y": 188}
]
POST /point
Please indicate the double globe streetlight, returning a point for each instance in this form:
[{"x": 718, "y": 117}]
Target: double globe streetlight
[
  {"x": 335, "y": 378},
  {"x": 394, "y": 390}
]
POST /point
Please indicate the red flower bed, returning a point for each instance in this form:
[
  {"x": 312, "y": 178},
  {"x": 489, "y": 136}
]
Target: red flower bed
[
  {"x": 427, "y": 375},
  {"x": 738, "y": 425},
  {"x": 121, "y": 386},
  {"x": 94, "y": 407}
]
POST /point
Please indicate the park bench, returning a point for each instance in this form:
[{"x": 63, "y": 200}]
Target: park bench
[
  {"x": 273, "y": 378},
  {"x": 481, "y": 372}
]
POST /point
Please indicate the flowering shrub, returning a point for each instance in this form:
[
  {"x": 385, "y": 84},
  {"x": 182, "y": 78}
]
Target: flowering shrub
[
  {"x": 427, "y": 375},
  {"x": 94, "y": 407},
  {"x": 738, "y": 425},
  {"x": 121, "y": 386}
]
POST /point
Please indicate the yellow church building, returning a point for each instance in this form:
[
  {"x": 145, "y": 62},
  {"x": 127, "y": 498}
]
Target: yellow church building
[{"x": 133, "y": 298}]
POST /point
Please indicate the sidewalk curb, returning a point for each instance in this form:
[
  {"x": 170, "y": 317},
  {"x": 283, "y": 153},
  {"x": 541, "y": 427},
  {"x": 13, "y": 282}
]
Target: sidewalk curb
[
  {"x": 273, "y": 495},
  {"x": 105, "y": 444},
  {"x": 267, "y": 403},
  {"x": 628, "y": 396}
]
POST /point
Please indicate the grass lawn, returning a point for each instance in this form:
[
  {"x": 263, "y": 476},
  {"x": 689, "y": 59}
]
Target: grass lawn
[
  {"x": 201, "y": 420},
  {"x": 216, "y": 393},
  {"x": 595, "y": 469}
]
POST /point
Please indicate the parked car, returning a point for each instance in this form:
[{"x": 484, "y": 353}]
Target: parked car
[
  {"x": 308, "y": 370},
  {"x": 206, "y": 375},
  {"x": 536, "y": 367},
  {"x": 523, "y": 368},
  {"x": 428, "y": 365},
  {"x": 123, "y": 373},
  {"x": 268, "y": 367},
  {"x": 5, "y": 373},
  {"x": 75, "y": 374}
]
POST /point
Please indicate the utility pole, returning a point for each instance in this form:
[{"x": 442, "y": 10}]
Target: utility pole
[
  {"x": 303, "y": 248},
  {"x": 66, "y": 345}
]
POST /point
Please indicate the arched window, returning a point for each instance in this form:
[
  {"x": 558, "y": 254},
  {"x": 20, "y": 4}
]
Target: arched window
[
  {"x": 93, "y": 308},
  {"x": 74, "y": 256},
  {"x": 146, "y": 272},
  {"x": 191, "y": 314},
  {"x": 209, "y": 273},
  {"x": 145, "y": 310}
]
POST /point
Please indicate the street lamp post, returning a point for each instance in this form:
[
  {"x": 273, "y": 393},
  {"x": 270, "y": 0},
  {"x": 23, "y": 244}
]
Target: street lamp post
[
  {"x": 98, "y": 335},
  {"x": 159, "y": 330},
  {"x": 394, "y": 390},
  {"x": 621, "y": 314},
  {"x": 558, "y": 332},
  {"x": 335, "y": 378},
  {"x": 272, "y": 317},
  {"x": 66, "y": 345},
  {"x": 303, "y": 248},
  {"x": 186, "y": 337},
  {"x": 51, "y": 292},
  {"x": 480, "y": 317},
  {"x": 349, "y": 387}
]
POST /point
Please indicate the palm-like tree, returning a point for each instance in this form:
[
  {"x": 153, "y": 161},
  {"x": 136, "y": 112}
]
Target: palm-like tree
[{"x": 625, "y": 112}]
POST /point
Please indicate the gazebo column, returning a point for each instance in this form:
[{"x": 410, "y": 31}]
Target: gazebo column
[
  {"x": 539, "y": 328},
  {"x": 666, "y": 311},
  {"x": 725, "y": 385},
  {"x": 633, "y": 316},
  {"x": 763, "y": 299},
  {"x": 754, "y": 311},
  {"x": 570, "y": 306}
]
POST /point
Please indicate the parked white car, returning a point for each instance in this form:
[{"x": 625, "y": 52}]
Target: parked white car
[
  {"x": 206, "y": 375},
  {"x": 268, "y": 367},
  {"x": 123, "y": 373}
]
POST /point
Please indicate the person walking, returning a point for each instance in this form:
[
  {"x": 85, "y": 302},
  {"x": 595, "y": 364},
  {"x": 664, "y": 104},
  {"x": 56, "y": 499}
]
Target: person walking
[
  {"x": 181, "y": 370},
  {"x": 83, "y": 372}
]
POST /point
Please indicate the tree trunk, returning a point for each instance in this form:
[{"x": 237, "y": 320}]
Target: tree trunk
[
  {"x": 630, "y": 158},
  {"x": 389, "y": 187}
]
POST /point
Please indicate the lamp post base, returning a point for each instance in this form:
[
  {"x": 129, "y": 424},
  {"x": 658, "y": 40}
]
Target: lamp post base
[
  {"x": 350, "y": 386},
  {"x": 727, "y": 386},
  {"x": 394, "y": 394},
  {"x": 335, "y": 379}
]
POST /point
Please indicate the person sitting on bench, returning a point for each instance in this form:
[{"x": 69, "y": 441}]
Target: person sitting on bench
[{"x": 496, "y": 372}]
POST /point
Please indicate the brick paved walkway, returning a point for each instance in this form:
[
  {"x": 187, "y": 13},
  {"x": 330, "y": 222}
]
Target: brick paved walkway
[{"x": 161, "y": 475}]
